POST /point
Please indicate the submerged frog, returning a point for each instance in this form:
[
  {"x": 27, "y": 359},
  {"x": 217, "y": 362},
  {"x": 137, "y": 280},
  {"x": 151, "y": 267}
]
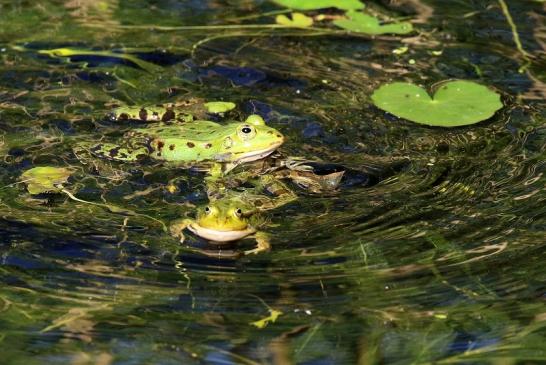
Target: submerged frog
[
  {"x": 151, "y": 113},
  {"x": 235, "y": 216},
  {"x": 195, "y": 143},
  {"x": 185, "y": 110}
]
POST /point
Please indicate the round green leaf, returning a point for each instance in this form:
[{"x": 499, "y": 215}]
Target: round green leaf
[
  {"x": 455, "y": 103},
  {"x": 44, "y": 179},
  {"x": 364, "y": 23},
  {"x": 219, "y": 106},
  {"x": 321, "y": 4},
  {"x": 298, "y": 20}
]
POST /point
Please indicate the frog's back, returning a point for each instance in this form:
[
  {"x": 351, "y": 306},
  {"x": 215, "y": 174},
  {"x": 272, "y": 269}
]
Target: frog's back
[
  {"x": 193, "y": 142},
  {"x": 201, "y": 131}
]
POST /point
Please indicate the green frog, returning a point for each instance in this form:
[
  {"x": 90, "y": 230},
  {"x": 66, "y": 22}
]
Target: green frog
[
  {"x": 184, "y": 110},
  {"x": 151, "y": 113},
  {"x": 236, "y": 215},
  {"x": 196, "y": 144}
]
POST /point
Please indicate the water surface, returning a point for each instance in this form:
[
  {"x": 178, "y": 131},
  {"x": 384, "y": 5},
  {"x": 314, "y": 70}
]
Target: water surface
[{"x": 432, "y": 250}]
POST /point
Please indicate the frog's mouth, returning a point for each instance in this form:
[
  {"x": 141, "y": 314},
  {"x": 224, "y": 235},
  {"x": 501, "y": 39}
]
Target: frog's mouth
[
  {"x": 219, "y": 235},
  {"x": 257, "y": 155}
]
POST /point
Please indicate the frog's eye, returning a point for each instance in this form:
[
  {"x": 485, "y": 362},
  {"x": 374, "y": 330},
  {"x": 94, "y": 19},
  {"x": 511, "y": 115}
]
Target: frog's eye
[
  {"x": 246, "y": 132},
  {"x": 208, "y": 210},
  {"x": 255, "y": 119},
  {"x": 238, "y": 212}
]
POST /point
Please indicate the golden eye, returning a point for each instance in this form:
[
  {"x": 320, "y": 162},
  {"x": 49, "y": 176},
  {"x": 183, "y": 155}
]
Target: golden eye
[
  {"x": 208, "y": 210},
  {"x": 246, "y": 132},
  {"x": 238, "y": 212}
]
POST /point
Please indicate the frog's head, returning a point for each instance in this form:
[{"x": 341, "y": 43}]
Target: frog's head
[
  {"x": 223, "y": 220},
  {"x": 251, "y": 140}
]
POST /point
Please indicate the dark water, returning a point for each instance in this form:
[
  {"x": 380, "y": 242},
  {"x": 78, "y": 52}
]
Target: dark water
[{"x": 441, "y": 261}]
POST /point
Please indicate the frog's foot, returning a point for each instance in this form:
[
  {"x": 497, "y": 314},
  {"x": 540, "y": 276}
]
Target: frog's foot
[
  {"x": 115, "y": 152},
  {"x": 262, "y": 244},
  {"x": 297, "y": 164},
  {"x": 178, "y": 226}
]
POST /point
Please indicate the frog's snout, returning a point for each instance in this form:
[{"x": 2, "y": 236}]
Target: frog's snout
[{"x": 278, "y": 138}]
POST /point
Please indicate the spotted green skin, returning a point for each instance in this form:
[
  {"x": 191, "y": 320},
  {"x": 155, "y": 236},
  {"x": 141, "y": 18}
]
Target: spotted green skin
[
  {"x": 195, "y": 142},
  {"x": 184, "y": 110},
  {"x": 150, "y": 114}
]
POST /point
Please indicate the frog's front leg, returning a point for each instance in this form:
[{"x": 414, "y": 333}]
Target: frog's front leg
[
  {"x": 219, "y": 169},
  {"x": 297, "y": 164},
  {"x": 262, "y": 243},
  {"x": 178, "y": 226},
  {"x": 214, "y": 182},
  {"x": 217, "y": 182}
]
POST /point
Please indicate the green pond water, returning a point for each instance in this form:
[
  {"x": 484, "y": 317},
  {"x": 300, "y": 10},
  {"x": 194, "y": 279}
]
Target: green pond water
[{"x": 430, "y": 251}]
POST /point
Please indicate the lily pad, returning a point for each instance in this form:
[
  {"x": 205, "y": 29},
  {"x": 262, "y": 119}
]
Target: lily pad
[
  {"x": 455, "y": 103},
  {"x": 217, "y": 107},
  {"x": 298, "y": 20},
  {"x": 364, "y": 23},
  {"x": 321, "y": 4},
  {"x": 45, "y": 179}
]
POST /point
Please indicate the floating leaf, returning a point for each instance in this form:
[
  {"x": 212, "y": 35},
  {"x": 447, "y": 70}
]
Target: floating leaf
[
  {"x": 298, "y": 20},
  {"x": 364, "y": 23},
  {"x": 262, "y": 323},
  {"x": 44, "y": 179},
  {"x": 321, "y": 4},
  {"x": 455, "y": 103},
  {"x": 400, "y": 50},
  {"x": 219, "y": 106}
]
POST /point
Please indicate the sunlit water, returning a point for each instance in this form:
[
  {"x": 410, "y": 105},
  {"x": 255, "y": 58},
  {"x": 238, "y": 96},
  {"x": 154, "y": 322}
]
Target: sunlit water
[{"x": 432, "y": 249}]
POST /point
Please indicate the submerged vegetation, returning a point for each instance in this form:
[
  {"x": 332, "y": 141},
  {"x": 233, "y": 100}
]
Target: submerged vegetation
[{"x": 399, "y": 213}]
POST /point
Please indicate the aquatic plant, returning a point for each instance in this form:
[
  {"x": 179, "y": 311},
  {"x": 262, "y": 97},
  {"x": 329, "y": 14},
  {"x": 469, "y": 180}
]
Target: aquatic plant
[{"x": 454, "y": 104}]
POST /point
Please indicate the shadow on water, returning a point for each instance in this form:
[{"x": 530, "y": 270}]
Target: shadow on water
[{"x": 430, "y": 251}]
